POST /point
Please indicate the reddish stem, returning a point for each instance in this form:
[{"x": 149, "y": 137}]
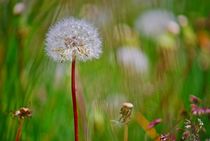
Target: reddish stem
[
  {"x": 74, "y": 100},
  {"x": 19, "y": 130}
]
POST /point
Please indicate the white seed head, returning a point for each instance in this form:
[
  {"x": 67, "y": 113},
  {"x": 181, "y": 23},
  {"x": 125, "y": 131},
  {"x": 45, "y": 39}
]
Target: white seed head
[
  {"x": 73, "y": 37},
  {"x": 133, "y": 58},
  {"x": 155, "y": 22},
  {"x": 19, "y": 8}
]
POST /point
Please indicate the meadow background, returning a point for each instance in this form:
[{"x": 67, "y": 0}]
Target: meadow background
[{"x": 177, "y": 66}]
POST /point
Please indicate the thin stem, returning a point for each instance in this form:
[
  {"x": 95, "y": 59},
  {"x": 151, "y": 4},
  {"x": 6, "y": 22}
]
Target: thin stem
[
  {"x": 126, "y": 132},
  {"x": 74, "y": 100},
  {"x": 19, "y": 130}
]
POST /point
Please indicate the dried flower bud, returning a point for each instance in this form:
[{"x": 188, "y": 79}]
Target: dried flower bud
[
  {"x": 23, "y": 112},
  {"x": 125, "y": 112}
]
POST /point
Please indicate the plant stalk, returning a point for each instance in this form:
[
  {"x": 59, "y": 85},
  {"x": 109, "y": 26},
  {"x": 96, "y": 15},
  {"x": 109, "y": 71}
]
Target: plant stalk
[
  {"x": 126, "y": 132},
  {"x": 19, "y": 130},
  {"x": 74, "y": 100}
]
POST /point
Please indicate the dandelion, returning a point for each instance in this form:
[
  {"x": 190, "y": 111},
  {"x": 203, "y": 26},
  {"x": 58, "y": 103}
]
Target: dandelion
[
  {"x": 156, "y": 22},
  {"x": 125, "y": 112},
  {"x": 21, "y": 114},
  {"x": 69, "y": 40},
  {"x": 133, "y": 58},
  {"x": 19, "y": 8}
]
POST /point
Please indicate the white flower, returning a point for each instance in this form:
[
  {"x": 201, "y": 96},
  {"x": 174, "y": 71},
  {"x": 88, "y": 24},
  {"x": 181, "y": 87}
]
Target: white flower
[
  {"x": 73, "y": 37},
  {"x": 19, "y": 8},
  {"x": 156, "y": 22},
  {"x": 133, "y": 58}
]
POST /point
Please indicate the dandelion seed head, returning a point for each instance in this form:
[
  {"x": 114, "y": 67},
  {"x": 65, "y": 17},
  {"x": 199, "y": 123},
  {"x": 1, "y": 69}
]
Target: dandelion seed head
[
  {"x": 73, "y": 38},
  {"x": 19, "y": 8},
  {"x": 133, "y": 58},
  {"x": 156, "y": 22}
]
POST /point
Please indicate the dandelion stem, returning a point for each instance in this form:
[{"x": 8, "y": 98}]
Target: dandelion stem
[
  {"x": 126, "y": 132},
  {"x": 19, "y": 130},
  {"x": 74, "y": 100}
]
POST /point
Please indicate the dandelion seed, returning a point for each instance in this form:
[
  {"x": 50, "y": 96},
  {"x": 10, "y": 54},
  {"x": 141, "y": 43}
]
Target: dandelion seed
[{"x": 73, "y": 38}]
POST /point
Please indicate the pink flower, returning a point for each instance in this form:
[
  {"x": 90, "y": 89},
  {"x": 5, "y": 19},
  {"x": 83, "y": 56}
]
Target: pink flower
[
  {"x": 199, "y": 110},
  {"x": 154, "y": 123},
  {"x": 194, "y": 99}
]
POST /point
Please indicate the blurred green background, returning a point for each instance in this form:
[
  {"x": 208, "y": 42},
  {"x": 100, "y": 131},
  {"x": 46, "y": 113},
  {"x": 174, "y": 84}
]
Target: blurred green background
[{"x": 177, "y": 66}]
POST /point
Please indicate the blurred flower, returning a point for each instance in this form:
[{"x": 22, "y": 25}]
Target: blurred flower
[
  {"x": 199, "y": 110},
  {"x": 188, "y": 124},
  {"x": 23, "y": 112},
  {"x": 19, "y": 8},
  {"x": 183, "y": 21},
  {"x": 72, "y": 37},
  {"x": 156, "y": 22},
  {"x": 187, "y": 31},
  {"x": 186, "y": 135},
  {"x": 194, "y": 99},
  {"x": 167, "y": 137},
  {"x": 192, "y": 129},
  {"x": 173, "y": 27},
  {"x": 133, "y": 58},
  {"x": 154, "y": 123}
]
